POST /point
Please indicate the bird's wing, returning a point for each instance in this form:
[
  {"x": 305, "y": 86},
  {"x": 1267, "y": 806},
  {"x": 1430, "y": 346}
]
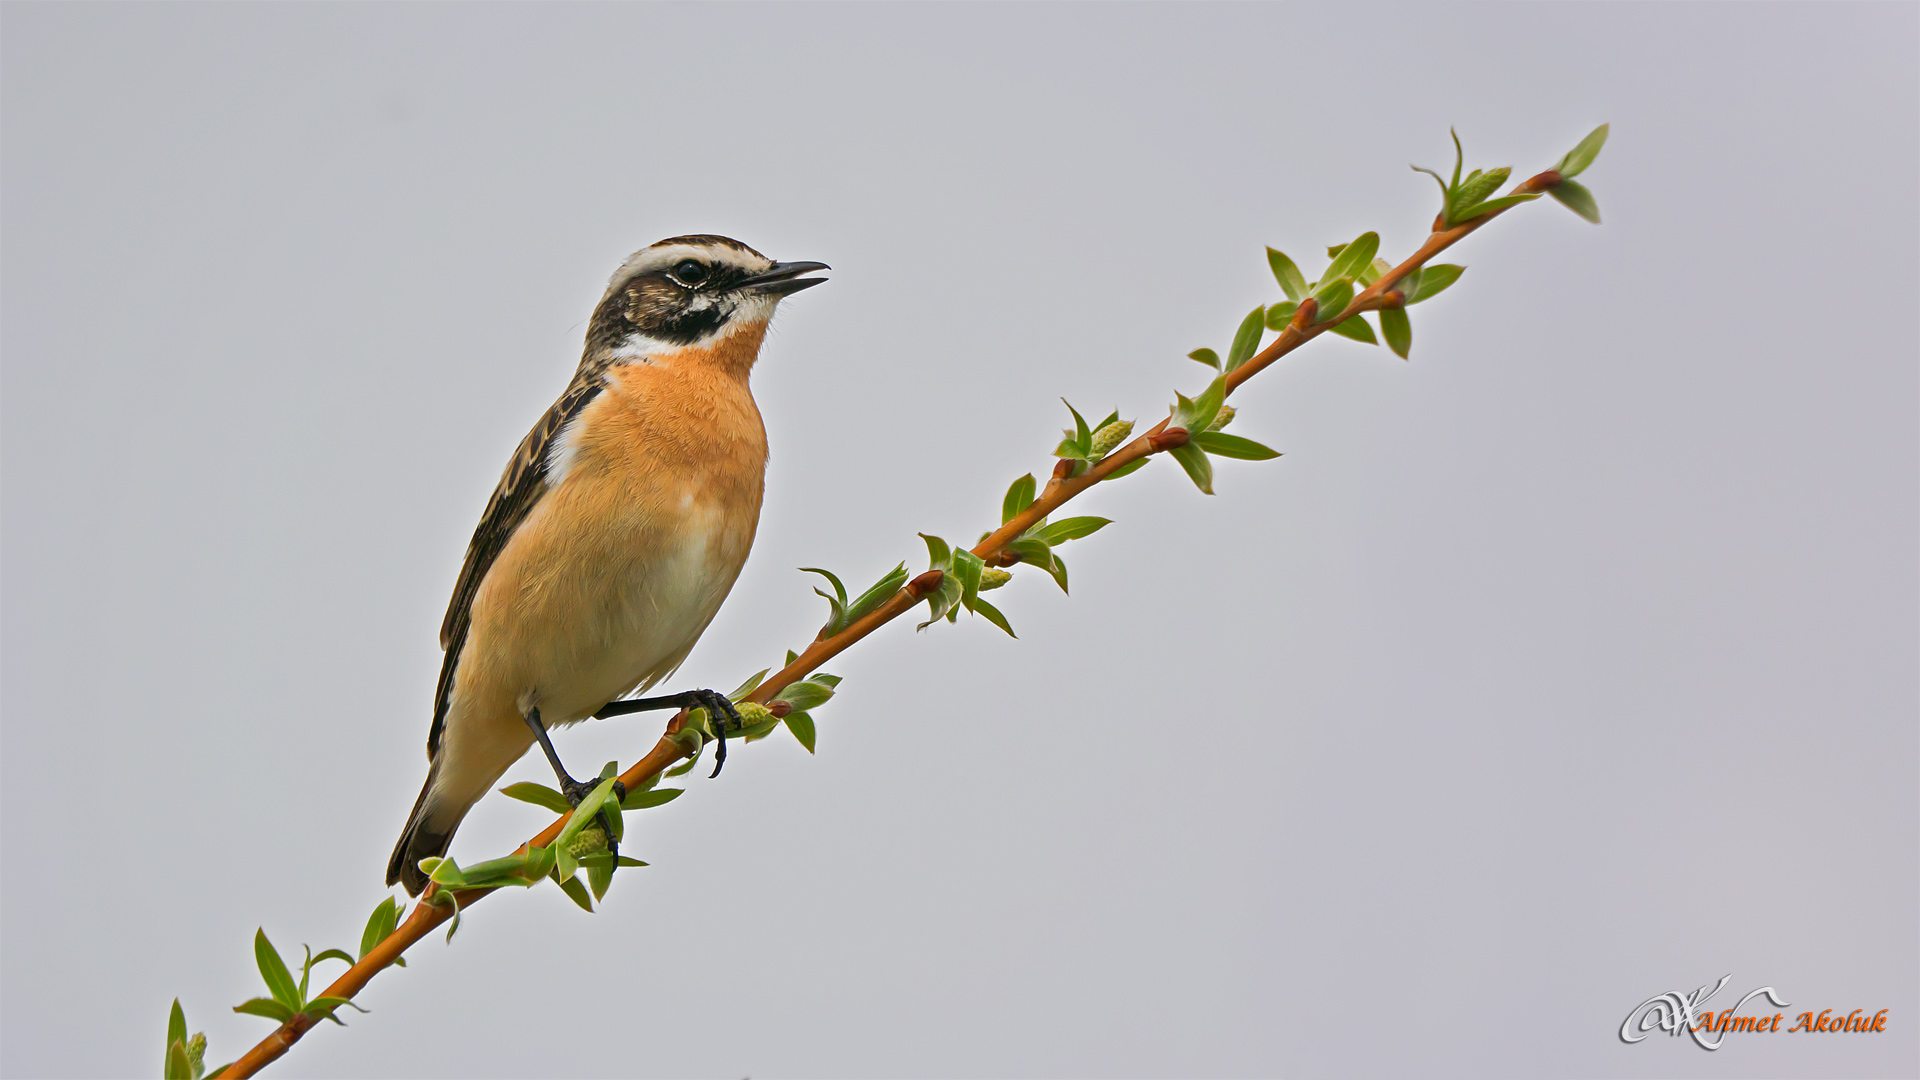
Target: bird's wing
[{"x": 521, "y": 487}]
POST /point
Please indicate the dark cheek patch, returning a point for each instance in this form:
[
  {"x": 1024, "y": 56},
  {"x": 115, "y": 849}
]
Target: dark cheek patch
[{"x": 657, "y": 308}]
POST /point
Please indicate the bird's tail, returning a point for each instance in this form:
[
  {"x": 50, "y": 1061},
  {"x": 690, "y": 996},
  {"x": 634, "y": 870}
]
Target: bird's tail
[{"x": 429, "y": 830}]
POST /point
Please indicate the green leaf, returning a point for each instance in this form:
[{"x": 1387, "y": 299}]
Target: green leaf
[
  {"x": 178, "y": 1065},
  {"x": 939, "y": 555},
  {"x": 1577, "y": 198},
  {"x": 333, "y": 954},
  {"x": 686, "y": 766},
  {"x": 1375, "y": 270},
  {"x": 1279, "y": 315},
  {"x": 1246, "y": 340},
  {"x": 1233, "y": 446},
  {"x": 454, "y": 923},
  {"x": 267, "y": 1007},
  {"x": 1018, "y": 498},
  {"x": 1459, "y": 157},
  {"x": 380, "y": 924},
  {"x": 1205, "y": 356},
  {"x": 967, "y": 567},
  {"x": 1288, "y": 275},
  {"x": 1132, "y": 466},
  {"x": 1434, "y": 280},
  {"x": 1333, "y": 296},
  {"x": 1355, "y": 258},
  {"x": 808, "y": 694},
  {"x": 577, "y": 892},
  {"x": 322, "y": 1008},
  {"x": 1032, "y": 550},
  {"x": 1488, "y": 207},
  {"x": 177, "y": 1026},
  {"x": 599, "y": 879},
  {"x": 748, "y": 687},
  {"x": 993, "y": 615},
  {"x": 274, "y": 971},
  {"x": 1194, "y": 460},
  {"x": 647, "y": 800},
  {"x": 801, "y": 724},
  {"x": 1206, "y": 407},
  {"x": 1581, "y": 156},
  {"x": 1438, "y": 179},
  {"x": 1057, "y": 570},
  {"x": 601, "y": 797},
  {"x": 1080, "y": 429},
  {"x": 1357, "y": 328},
  {"x": 1398, "y": 331},
  {"x": 791, "y": 657},
  {"x": 1072, "y": 528},
  {"x": 756, "y": 731},
  {"x": 624, "y": 861},
  {"x": 1471, "y": 191},
  {"x": 539, "y": 795},
  {"x": 839, "y": 590},
  {"x": 942, "y": 600},
  {"x": 824, "y": 679},
  {"x": 520, "y": 868},
  {"x": 836, "y": 603},
  {"x": 878, "y": 594},
  {"x": 618, "y": 823}
]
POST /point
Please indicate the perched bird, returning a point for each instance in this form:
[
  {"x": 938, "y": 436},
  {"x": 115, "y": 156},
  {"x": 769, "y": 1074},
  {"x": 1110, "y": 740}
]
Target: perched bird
[{"x": 618, "y": 528}]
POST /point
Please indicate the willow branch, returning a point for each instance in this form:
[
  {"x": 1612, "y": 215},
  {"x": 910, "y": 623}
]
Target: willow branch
[{"x": 433, "y": 908}]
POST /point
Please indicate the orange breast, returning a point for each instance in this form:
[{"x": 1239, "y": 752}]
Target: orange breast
[{"x": 614, "y": 575}]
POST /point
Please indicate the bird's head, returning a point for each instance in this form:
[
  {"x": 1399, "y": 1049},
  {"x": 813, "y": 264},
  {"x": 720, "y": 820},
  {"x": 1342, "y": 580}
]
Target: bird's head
[{"x": 688, "y": 292}]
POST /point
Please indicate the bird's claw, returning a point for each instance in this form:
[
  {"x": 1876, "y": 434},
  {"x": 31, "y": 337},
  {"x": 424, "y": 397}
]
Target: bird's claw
[{"x": 722, "y": 715}]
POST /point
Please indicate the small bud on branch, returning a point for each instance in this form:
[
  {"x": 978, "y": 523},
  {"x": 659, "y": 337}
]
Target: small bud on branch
[
  {"x": 919, "y": 587},
  {"x": 1168, "y": 439}
]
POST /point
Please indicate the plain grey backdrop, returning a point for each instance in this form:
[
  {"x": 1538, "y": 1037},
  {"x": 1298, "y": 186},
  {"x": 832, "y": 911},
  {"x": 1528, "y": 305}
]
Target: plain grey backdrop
[{"x": 1570, "y": 663}]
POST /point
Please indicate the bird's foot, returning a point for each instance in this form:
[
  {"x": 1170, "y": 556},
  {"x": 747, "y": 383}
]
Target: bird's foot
[
  {"x": 722, "y": 715},
  {"x": 575, "y": 790}
]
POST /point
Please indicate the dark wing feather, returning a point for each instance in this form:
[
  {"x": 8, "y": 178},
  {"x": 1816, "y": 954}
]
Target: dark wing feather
[{"x": 521, "y": 487}]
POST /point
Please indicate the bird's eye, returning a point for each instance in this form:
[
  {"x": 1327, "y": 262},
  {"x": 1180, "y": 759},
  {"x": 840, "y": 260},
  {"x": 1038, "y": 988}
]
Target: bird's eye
[{"x": 689, "y": 272}]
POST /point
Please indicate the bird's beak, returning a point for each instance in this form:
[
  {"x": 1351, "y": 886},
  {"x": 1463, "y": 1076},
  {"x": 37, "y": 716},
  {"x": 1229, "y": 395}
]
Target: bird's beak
[{"x": 783, "y": 279}]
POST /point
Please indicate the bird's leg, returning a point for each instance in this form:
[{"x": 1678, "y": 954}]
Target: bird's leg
[
  {"x": 573, "y": 789},
  {"x": 713, "y": 701}
]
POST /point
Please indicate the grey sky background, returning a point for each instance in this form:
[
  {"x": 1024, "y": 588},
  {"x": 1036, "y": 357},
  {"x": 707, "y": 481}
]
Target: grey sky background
[{"x": 1571, "y": 663}]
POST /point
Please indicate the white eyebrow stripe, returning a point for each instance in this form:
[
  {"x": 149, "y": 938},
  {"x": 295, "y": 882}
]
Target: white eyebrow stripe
[{"x": 659, "y": 258}]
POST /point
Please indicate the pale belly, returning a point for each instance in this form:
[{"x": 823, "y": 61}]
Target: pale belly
[{"x": 585, "y": 606}]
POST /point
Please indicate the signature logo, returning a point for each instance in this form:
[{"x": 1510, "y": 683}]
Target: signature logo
[{"x": 1674, "y": 1012}]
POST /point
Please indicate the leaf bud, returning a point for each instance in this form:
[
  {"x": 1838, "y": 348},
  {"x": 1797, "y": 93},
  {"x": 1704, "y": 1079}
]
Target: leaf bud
[
  {"x": 197, "y": 1050},
  {"x": 752, "y": 713},
  {"x": 1225, "y": 418},
  {"x": 1304, "y": 315},
  {"x": 591, "y": 840},
  {"x": 1109, "y": 437},
  {"x": 925, "y": 583},
  {"x": 1168, "y": 439},
  {"x": 1545, "y": 181},
  {"x": 993, "y": 578}
]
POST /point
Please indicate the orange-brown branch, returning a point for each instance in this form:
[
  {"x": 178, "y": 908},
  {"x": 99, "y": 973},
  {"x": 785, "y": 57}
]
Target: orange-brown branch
[{"x": 1061, "y": 489}]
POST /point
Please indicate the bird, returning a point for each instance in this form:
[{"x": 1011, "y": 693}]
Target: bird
[{"x": 616, "y": 531}]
